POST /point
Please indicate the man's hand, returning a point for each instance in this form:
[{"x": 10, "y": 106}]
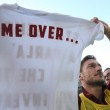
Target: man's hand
[
  {"x": 96, "y": 20},
  {"x": 106, "y": 27}
]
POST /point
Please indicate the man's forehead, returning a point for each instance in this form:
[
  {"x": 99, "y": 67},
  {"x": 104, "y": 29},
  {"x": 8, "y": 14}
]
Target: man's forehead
[
  {"x": 107, "y": 72},
  {"x": 90, "y": 61}
]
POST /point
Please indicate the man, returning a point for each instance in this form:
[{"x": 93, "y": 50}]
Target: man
[
  {"x": 107, "y": 75},
  {"x": 95, "y": 95}
]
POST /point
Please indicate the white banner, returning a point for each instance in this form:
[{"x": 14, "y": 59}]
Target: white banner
[{"x": 40, "y": 58}]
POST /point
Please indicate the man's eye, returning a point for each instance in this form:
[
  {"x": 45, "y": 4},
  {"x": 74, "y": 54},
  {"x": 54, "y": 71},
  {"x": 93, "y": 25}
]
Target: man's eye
[{"x": 92, "y": 65}]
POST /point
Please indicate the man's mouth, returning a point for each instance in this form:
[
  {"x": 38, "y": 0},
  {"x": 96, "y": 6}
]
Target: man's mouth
[{"x": 99, "y": 74}]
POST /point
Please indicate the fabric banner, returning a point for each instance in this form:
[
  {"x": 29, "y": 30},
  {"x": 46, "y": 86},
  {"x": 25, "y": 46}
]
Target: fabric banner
[{"x": 40, "y": 57}]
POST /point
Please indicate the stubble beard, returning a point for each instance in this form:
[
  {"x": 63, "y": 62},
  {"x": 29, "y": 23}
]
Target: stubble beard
[{"x": 96, "y": 82}]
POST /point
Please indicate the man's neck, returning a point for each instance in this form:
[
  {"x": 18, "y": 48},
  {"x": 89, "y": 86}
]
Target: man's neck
[{"x": 94, "y": 90}]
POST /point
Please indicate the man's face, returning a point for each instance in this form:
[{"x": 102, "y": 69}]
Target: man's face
[
  {"x": 107, "y": 76},
  {"x": 92, "y": 73}
]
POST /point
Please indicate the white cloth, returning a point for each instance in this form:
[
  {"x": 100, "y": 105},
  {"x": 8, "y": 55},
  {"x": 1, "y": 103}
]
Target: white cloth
[{"x": 40, "y": 56}]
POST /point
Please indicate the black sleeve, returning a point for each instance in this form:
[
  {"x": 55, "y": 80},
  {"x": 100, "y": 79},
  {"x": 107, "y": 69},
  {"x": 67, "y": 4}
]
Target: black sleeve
[{"x": 79, "y": 102}]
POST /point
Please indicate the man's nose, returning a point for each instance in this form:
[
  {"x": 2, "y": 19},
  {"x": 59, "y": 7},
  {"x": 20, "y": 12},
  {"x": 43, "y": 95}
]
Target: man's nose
[{"x": 99, "y": 68}]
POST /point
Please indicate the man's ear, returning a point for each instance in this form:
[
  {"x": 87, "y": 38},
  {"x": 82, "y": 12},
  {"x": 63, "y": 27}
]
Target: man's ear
[{"x": 80, "y": 77}]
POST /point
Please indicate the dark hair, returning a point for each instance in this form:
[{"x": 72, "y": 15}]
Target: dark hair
[
  {"x": 106, "y": 69},
  {"x": 88, "y": 57}
]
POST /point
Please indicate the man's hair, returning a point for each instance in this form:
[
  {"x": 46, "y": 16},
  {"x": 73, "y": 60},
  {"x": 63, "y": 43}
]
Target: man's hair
[
  {"x": 106, "y": 69},
  {"x": 88, "y": 57}
]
